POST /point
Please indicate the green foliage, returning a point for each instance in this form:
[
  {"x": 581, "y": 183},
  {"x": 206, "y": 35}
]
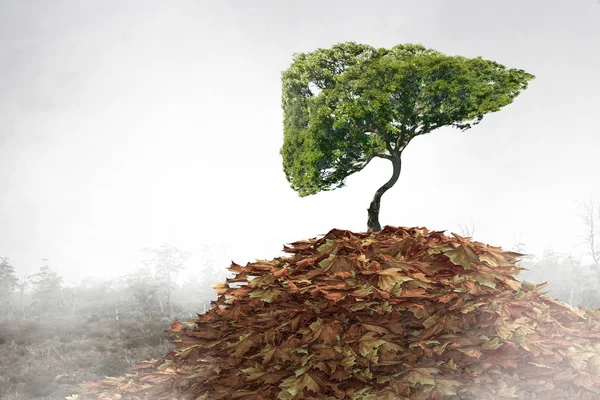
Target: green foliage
[{"x": 345, "y": 105}]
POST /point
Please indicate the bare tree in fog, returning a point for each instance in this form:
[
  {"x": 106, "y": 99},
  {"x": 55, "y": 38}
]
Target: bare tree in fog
[
  {"x": 166, "y": 261},
  {"x": 591, "y": 218}
]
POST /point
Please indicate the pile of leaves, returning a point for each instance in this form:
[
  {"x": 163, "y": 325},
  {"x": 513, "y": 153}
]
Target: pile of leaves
[{"x": 403, "y": 313}]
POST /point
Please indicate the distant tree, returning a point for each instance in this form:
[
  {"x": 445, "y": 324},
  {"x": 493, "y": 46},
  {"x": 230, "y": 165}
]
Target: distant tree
[
  {"x": 591, "y": 239},
  {"x": 166, "y": 261},
  {"x": 8, "y": 284},
  {"x": 145, "y": 290},
  {"x": 23, "y": 284},
  {"x": 567, "y": 280},
  {"x": 47, "y": 289},
  {"x": 346, "y": 105},
  {"x": 97, "y": 295}
]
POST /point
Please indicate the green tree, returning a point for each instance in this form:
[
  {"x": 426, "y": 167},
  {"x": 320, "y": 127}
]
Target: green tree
[
  {"x": 346, "y": 105},
  {"x": 8, "y": 284}
]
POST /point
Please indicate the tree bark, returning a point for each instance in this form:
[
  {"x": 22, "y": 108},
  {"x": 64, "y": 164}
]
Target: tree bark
[{"x": 373, "y": 210}]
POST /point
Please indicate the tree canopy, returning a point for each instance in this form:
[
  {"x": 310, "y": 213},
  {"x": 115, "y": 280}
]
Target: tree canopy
[{"x": 346, "y": 105}]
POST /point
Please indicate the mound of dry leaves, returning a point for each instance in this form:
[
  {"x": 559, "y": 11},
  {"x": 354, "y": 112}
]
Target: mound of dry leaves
[{"x": 404, "y": 313}]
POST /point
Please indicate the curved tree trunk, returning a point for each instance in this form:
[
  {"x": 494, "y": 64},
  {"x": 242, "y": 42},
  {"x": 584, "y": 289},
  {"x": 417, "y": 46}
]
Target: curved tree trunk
[{"x": 373, "y": 210}]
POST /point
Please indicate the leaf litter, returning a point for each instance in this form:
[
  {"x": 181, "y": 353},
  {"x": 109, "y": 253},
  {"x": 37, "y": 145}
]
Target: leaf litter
[{"x": 404, "y": 313}]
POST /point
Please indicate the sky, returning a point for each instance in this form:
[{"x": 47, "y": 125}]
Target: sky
[{"x": 129, "y": 124}]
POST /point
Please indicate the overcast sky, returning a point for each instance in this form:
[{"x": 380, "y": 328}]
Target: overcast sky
[{"x": 128, "y": 124}]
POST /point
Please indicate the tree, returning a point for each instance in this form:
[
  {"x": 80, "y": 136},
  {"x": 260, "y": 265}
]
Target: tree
[
  {"x": 591, "y": 240},
  {"x": 346, "y": 105},
  {"x": 8, "y": 284},
  {"x": 567, "y": 280},
  {"x": 167, "y": 261},
  {"x": 145, "y": 289},
  {"x": 47, "y": 289}
]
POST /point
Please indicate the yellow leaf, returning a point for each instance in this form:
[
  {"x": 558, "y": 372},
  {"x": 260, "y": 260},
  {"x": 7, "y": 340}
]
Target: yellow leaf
[{"x": 463, "y": 256}]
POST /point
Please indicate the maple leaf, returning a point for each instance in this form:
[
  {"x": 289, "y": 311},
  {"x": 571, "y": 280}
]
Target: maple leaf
[
  {"x": 470, "y": 306},
  {"x": 483, "y": 280},
  {"x": 447, "y": 297},
  {"x": 422, "y": 376},
  {"x": 446, "y": 387},
  {"x": 175, "y": 327},
  {"x": 221, "y": 288},
  {"x": 362, "y": 305},
  {"x": 362, "y": 291},
  {"x": 505, "y": 328},
  {"x": 268, "y": 295},
  {"x": 244, "y": 344},
  {"x": 462, "y": 255},
  {"x": 262, "y": 281},
  {"x": 492, "y": 344},
  {"x": 328, "y": 247},
  {"x": 471, "y": 351},
  {"x": 296, "y": 384},
  {"x": 389, "y": 277},
  {"x": 369, "y": 346},
  {"x": 376, "y": 328},
  {"x": 336, "y": 264},
  {"x": 326, "y": 332},
  {"x": 334, "y": 296},
  {"x": 419, "y": 311}
]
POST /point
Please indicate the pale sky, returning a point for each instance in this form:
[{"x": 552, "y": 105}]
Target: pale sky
[{"x": 128, "y": 124}]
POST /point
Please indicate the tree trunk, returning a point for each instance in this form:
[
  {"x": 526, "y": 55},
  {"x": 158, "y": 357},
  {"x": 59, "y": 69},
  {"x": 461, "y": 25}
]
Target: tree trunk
[
  {"x": 373, "y": 210},
  {"x": 169, "y": 304},
  {"x": 23, "y": 298},
  {"x": 160, "y": 303}
]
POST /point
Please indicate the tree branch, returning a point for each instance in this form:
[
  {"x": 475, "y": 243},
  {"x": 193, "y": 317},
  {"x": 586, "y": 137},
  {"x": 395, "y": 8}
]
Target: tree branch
[
  {"x": 590, "y": 238},
  {"x": 400, "y": 144},
  {"x": 389, "y": 148},
  {"x": 404, "y": 138},
  {"x": 384, "y": 156}
]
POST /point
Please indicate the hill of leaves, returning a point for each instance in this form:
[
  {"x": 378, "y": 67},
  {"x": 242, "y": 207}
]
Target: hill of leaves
[{"x": 403, "y": 313}]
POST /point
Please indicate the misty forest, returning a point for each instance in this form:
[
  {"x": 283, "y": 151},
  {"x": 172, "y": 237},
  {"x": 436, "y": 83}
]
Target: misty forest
[{"x": 389, "y": 310}]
